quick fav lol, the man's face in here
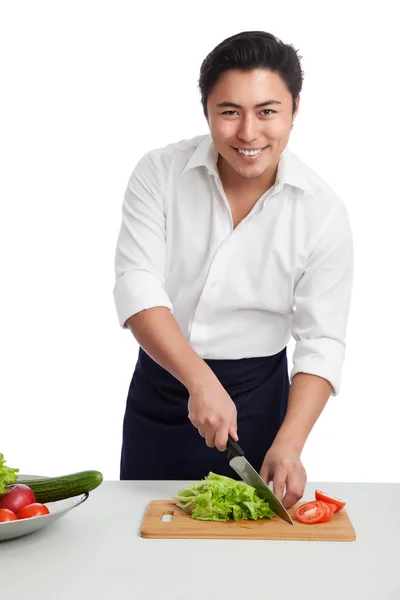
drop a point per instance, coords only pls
(248, 126)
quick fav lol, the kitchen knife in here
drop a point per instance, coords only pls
(250, 476)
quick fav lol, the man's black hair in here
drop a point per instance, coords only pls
(247, 51)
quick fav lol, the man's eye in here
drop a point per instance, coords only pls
(269, 111)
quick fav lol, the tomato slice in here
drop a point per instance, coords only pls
(32, 510)
(326, 498)
(311, 512)
(7, 515)
(329, 511)
(331, 506)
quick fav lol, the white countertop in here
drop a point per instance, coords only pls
(95, 551)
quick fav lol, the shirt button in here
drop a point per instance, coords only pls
(214, 283)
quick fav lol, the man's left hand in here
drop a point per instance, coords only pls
(284, 468)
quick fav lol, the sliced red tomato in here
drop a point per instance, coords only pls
(7, 515)
(311, 512)
(326, 498)
(331, 506)
(32, 510)
(329, 511)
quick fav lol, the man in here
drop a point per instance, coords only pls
(229, 244)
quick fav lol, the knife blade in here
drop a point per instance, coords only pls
(249, 475)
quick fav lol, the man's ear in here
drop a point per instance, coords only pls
(296, 110)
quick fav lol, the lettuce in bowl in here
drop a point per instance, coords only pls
(7, 475)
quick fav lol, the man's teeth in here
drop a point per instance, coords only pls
(249, 152)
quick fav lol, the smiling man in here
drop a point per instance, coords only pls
(229, 245)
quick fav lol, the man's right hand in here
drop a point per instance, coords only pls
(213, 412)
(211, 409)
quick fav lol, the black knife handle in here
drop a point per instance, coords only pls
(233, 448)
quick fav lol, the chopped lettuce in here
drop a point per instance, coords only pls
(220, 498)
(7, 475)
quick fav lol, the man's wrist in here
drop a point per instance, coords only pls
(198, 377)
(308, 395)
(287, 443)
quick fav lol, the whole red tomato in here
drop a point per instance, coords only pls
(7, 515)
(17, 496)
(32, 510)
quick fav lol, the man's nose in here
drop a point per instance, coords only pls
(249, 128)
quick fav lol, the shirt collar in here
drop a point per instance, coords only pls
(291, 170)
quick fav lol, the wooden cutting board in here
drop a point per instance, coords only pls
(181, 525)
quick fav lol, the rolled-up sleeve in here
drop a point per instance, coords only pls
(140, 257)
(322, 302)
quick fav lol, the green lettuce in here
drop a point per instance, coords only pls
(220, 498)
(7, 475)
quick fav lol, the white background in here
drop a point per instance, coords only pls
(87, 88)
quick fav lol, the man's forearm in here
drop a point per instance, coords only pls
(308, 396)
(158, 333)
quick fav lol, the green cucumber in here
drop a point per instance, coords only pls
(51, 489)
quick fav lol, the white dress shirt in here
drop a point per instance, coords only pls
(286, 269)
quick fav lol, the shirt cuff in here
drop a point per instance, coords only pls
(323, 357)
(136, 291)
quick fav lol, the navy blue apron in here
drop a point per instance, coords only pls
(160, 442)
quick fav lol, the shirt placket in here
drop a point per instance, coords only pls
(212, 288)
(210, 295)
